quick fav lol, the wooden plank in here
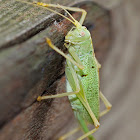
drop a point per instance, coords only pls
(30, 68)
(17, 16)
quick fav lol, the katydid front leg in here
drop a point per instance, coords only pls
(72, 71)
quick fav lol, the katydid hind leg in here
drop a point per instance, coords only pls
(57, 95)
(88, 134)
(92, 115)
(83, 126)
(72, 77)
(63, 137)
(107, 104)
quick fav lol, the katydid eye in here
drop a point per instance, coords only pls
(82, 34)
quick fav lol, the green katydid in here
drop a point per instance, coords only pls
(82, 72)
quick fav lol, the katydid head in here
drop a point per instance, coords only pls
(78, 34)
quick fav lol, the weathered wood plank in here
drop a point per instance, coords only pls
(30, 68)
(17, 16)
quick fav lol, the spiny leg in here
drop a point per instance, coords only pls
(64, 55)
(108, 107)
(87, 134)
(107, 104)
(75, 80)
(56, 96)
(69, 133)
(83, 125)
(72, 78)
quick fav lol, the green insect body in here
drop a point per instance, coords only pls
(80, 40)
(82, 72)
